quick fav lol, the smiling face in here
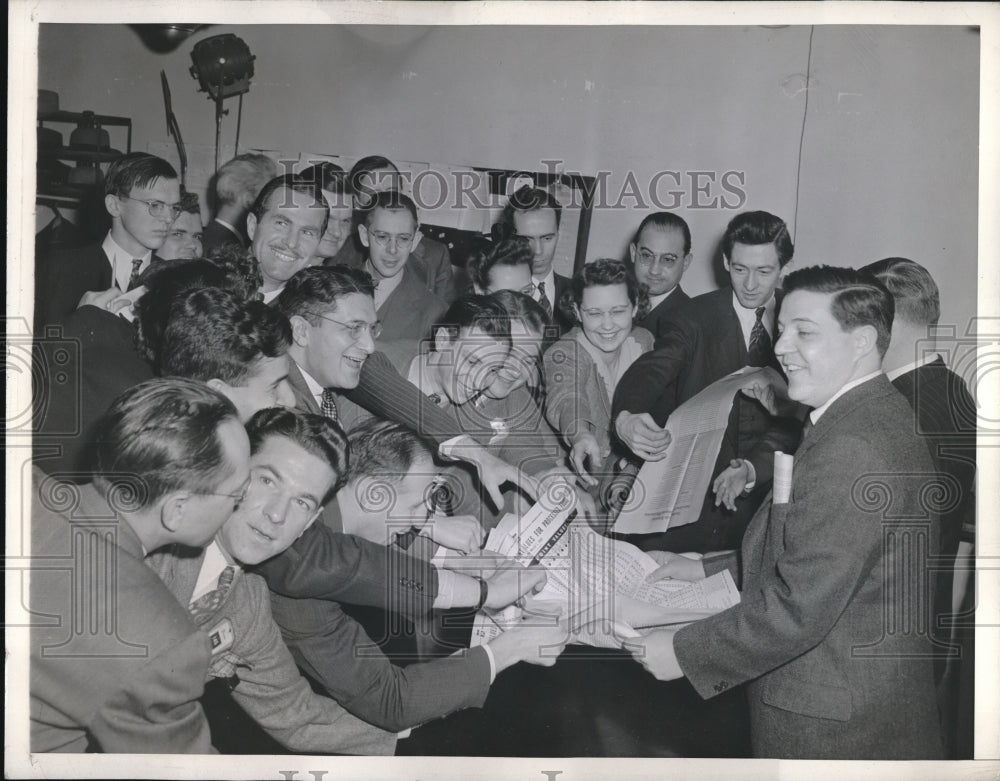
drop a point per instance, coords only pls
(605, 314)
(132, 226)
(287, 487)
(476, 359)
(390, 238)
(659, 259)
(338, 227)
(819, 357)
(541, 229)
(754, 272)
(184, 238)
(329, 353)
(286, 237)
(521, 366)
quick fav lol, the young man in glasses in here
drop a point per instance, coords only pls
(403, 304)
(143, 197)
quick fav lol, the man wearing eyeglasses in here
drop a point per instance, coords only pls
(403, 304)
(142, 194)
(660, 254)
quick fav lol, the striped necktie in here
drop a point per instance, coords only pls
(543, 300)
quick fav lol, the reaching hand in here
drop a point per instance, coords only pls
(731, 483)
(655, 652)
(537, 640)
(642, 436)
(461, 533)
(510, 583)
(673, 565)
(585, 450)
(771, 391)
(494, 473)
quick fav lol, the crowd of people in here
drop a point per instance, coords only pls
(291, 430)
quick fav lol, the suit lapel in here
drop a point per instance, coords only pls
(304, 400)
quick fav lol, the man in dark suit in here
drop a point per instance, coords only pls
(142, 194)
(404, 306)
(534, 214)
(660, 255)
(945, 416)
(830, 633)
(713, 335)
(172, 457)
(237, 185)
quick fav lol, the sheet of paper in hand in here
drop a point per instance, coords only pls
(670, 492)
(596, 583)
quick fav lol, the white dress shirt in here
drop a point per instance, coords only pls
(748, 318)
(121, 262)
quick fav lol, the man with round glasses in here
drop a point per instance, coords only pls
(660, 255)
(407, 309)
(143, 197)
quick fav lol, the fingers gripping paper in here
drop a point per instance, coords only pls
(670, 492)
(598, 585)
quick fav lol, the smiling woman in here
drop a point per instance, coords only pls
(583, 368)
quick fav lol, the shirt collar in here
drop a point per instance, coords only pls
(314, 387)
(929, 358)
(121, 261)
(655, 301)
(817, 413)
(273, 294)
(212, 564)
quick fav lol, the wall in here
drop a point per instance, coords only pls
(889, 163)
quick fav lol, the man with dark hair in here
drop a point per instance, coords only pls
(297, 461)
(660, 254)
(185, 235)
(239, 348)
(534, 214)
(505, 265)
(333, 649)
(237, 184)
(945, 417)
(171, 459)
(285, 225)
(829, 633)
(710, 336)
(142, 195)
(332, 181)
(404, 306)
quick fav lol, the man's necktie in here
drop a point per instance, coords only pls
(133, 280)
(203, 608)
(543, 300)
(760, 350)
(329, 403)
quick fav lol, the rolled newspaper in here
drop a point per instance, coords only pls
(781, 491)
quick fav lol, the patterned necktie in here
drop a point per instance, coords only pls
(329, 403)
(760, 348)
(203, 608)
(543, 300)
(133, 280)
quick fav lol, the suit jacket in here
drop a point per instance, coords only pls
(131, 682)
(246, 643)
(103, 363)
(430, 263)
(831, 630)
(336, 653)
(218, 235)
(63, 278)
(407, 316)
(701, 342)
(658, 314)
(945, 415)
(328, 564)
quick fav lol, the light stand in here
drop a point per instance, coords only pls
(223, 66)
